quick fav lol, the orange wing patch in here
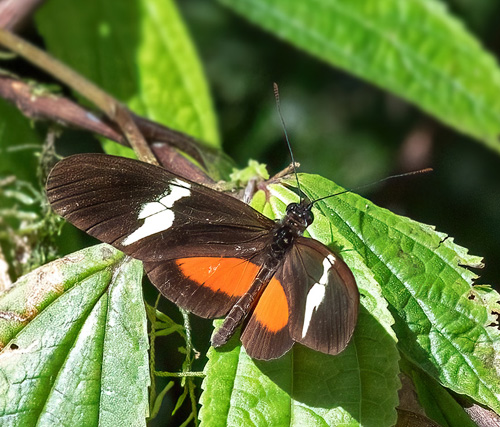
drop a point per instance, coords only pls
(272, 308)
(232, 276)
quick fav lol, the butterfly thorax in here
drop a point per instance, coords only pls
(298, 217)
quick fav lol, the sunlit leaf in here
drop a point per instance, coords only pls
(304, 387)
(75, 343)
(443, 324)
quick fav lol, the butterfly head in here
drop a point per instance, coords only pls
(299, 215)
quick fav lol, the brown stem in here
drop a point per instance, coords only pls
(39, 105)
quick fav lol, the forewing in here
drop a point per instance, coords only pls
(322, 294)
(150, 213)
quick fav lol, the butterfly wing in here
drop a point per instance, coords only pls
(312, 299)
(206, 286)
(174, 225)
(266, 334)
(150, 213)
(324, 294)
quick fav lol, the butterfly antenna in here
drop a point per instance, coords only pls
(277, 98)
(400, 175)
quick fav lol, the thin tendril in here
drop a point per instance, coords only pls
(277, 97)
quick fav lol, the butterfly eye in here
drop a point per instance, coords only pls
(292, 208)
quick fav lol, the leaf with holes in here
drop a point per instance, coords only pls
(444, 325)
(404, 270)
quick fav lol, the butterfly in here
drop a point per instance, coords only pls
(214, 255)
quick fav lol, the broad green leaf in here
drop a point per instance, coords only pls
(443, 324)
(42, 287)
(125, 364)
(415, 49)
(140, 52)
(304, 387)
(77, 353)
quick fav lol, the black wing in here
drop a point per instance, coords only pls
(266, 331)
(150, 213)
(312, 299)
(322, 294)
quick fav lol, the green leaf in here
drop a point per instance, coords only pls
(140, 52)
(79, 353)
(254, 170)
(304, 387)
(39, 289)
(412, 48)
(444, 325)
(159, 399)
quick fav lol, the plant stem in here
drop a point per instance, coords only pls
(117, 112)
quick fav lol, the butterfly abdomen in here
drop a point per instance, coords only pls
(240, 311)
